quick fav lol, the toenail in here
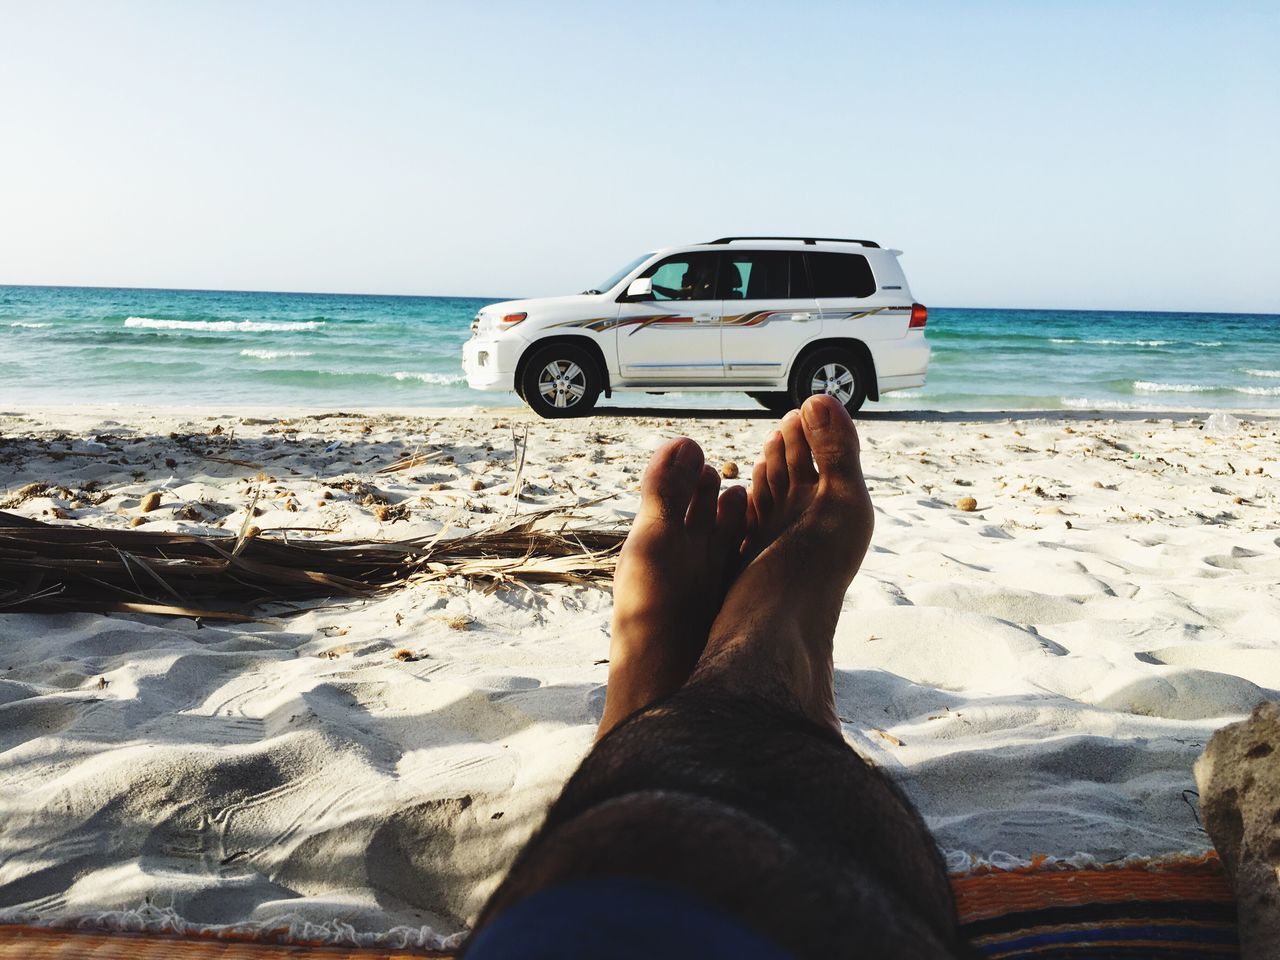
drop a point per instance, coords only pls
(816, 413)
(791, 415)
(685, 454)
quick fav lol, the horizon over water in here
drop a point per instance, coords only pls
(174, 348)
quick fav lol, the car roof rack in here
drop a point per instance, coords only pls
(807, 240)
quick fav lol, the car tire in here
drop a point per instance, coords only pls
(561, 380)
(777, 401)
(831, 370)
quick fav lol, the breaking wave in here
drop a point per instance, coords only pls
(1146, 386)
(439, 379)
(225, 326)
(30, 326)
(274, 354)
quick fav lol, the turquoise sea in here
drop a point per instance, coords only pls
(63, 345)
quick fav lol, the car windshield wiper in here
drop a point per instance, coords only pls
(589, 292)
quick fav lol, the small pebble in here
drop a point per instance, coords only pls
(149, 502)
(967, 504)
(729, 471)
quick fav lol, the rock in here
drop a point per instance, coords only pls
(149, 502)
(729, 471)
(1239, 779)
(251, 532)
(137, 521)
(477, 484)
(967, 504)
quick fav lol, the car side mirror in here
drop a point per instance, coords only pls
(641, 289)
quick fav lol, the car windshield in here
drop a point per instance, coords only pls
(613, 281)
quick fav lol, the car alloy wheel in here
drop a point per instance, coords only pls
(834, 379)
(562, 383)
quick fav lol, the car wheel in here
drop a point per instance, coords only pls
(561, 380)
(833, 371)
(778, 402)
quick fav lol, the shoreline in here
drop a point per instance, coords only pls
(135, 412)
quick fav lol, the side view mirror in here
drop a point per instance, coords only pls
(641, 289)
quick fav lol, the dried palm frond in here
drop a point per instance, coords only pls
(46, 567)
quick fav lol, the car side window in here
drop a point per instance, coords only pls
(801, 288)
(685, 276)
(841, 275)
(764, 275)
(754, 275)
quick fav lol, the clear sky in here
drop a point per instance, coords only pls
(1036, 154)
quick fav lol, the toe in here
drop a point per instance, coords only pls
(670, 480)
(761, 501)
(800, 467)
(701, 517)
(775, 466)
(833, 440)
(731, 521)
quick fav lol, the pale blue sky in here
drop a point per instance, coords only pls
(1037, 154)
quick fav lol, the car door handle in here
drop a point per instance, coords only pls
(705, 318)
(802, 316)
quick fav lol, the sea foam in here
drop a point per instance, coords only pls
(30, 326)
(439, 379)
(1133, 343)
(225, 326)
(1271, 374)
(1147, 386)
(274, 354)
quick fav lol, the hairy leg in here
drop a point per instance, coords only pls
(739, 787)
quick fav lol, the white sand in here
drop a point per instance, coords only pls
(1040, 673)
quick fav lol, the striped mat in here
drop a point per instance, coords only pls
(1169, 909)
(1177, 908)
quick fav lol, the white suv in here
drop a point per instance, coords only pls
(781, 318)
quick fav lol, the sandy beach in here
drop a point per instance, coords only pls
(1039, 672)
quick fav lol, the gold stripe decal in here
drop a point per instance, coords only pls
(756, 318)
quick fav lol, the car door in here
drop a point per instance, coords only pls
(768, 312)
(673, 335)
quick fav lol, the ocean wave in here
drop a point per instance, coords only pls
(1208, 343)
(439, 379)
(1086, 403)
(30, 326)
(1146, 386)
(1270, 374)
(274, 354)
(225, 326)
(1062, 340)
(1133, 343)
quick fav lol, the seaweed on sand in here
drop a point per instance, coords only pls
(67, 567)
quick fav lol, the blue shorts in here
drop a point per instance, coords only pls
(619, 918)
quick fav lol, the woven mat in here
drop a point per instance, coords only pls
(1171, 909)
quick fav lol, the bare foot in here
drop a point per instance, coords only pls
(810, 522)
(671, 579)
